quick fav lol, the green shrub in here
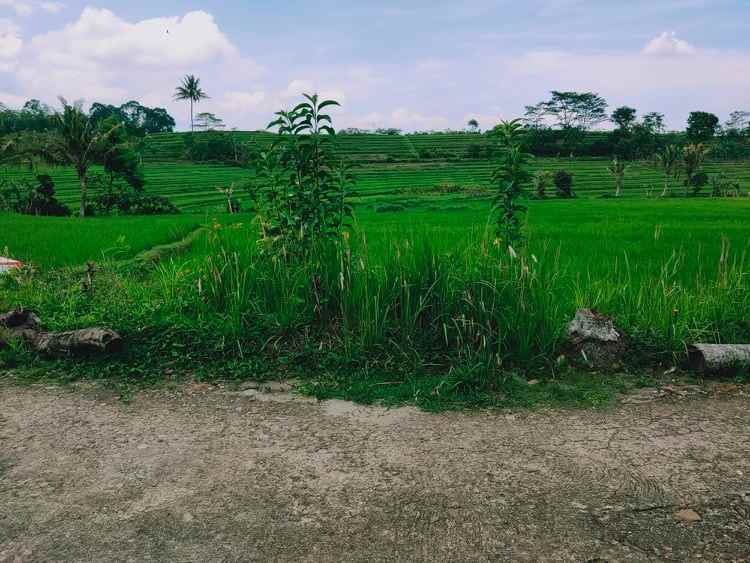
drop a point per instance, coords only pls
(564, 184)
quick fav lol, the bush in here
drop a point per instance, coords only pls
(564, 184)
(121, 199)
(28, 199)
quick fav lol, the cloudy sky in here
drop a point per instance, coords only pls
(413, 64)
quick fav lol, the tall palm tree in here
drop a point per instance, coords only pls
(190, 89)
(669, 160)
(692, 160)
(80, 142)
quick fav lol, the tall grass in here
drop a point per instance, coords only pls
(473, 302)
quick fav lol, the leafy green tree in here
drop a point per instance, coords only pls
(617, 169)
(80, 141)
(190, 90)
(509, 177)
(301, 187)
(654, 121)
(669, 159)
(702, 126)
(582, 110)
(473, 125)
(624, 117)
(118, 155)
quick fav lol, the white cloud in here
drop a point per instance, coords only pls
(52, 7)
(10, 40)
(406, 119)
(668, 45)
(19, 7)
(101, 36)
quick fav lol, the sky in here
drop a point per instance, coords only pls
(410, 64)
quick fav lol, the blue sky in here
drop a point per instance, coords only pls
(415, 65)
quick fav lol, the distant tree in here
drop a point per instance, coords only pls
(669, 160)
(582, 110)
(118, 156)
(624, 117)
(208, 122)
(702, 126)
(541, 180)
(617, 169)
(739, 122)
(138, 120)
(654, 121)
(79, 142)
(564, 184)
(473, 125)
(190, 90)
(693, 157)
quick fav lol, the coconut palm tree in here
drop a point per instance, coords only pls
(669, 160)
(80, 142)
(692, 160)
(618, 169)
(190, 89)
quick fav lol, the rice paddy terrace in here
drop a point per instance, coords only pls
(389, 168)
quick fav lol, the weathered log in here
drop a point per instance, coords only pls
(77, 342)
(596, 339)
(718, 358)
(25, 324)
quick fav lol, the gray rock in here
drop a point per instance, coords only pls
(596, 340)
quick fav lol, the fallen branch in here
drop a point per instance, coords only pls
(26, 325)
(718, 358)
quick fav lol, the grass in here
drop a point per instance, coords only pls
(418, 306)
(52, 241)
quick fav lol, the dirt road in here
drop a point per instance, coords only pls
(207, 475)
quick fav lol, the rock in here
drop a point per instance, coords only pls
(276, 387)
(249, 385)
(687, 515)
(596, 340)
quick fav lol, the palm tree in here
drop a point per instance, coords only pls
(669, 161)
(80, 142)
(618, 169)
(692, 160)
(190, 89)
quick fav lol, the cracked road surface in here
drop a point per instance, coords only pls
(203, 474)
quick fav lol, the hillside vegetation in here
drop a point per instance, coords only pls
(388, 168)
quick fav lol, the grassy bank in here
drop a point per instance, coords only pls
(420, 306)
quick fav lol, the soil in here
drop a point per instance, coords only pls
(202, 473)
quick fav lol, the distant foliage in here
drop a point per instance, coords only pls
(137, 120)
(119, 198)
(702, 127)
(218, 146)
(564, 184)
(542, 180)
(31, 199)
(693, 157)
(722, 185)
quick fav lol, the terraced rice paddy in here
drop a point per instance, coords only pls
(389, 168)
